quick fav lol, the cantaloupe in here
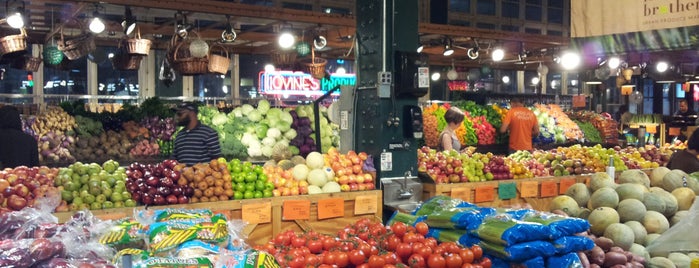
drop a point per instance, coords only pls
(656, 176)
(600, 218)
(580, 193)
(669, 200)
(639, 232)
(584, 213)
(601, 179)
(604, 197)
(654, 202)
(650, 238)
(655, 222)
(621, 234)
(634, 176)
(640, 250)
(286, 164)
(685, 197)
(631, 191)
(566, 204)
(660, 262)
(631, 210)
(674, 179)
(297, 160)
(680, 260)
(678, 217)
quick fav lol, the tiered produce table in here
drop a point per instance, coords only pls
(324, 213)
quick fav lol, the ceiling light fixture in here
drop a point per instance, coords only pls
(472, 53)
(182, 28)
(96, 24)
(15, 18)
(662, 66)
(228, 35)
(448, 49)
(420, 47)
(506, 79)
(436, 76)
(129, 22)
(498, 54)
(570, 60)
(614, 62)
(286, 38)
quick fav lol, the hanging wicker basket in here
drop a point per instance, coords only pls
(314, 66)
(138, 45)
(284, 58)
(123, 60)
(219, 64)
(30, 64)
(189, 65)
(52, 55)
(78, 46)
(14, 43)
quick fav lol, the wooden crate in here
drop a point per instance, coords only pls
(260, 233)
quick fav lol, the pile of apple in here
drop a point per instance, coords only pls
(93, 186)
(208, 181)
(22, 185)
(496, 169)
(349, 171)
(158, 184)
(537, 169)
(443, 167)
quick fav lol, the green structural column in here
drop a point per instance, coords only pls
(384, 27)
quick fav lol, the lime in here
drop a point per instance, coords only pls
(248, 195)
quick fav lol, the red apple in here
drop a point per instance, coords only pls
(369, 186)
(16, 202)
(172, 199)
(353, 187)
(183, 199)
(21, 190)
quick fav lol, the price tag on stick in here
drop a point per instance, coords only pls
(565, 184)
(365, 204)
(463, 193)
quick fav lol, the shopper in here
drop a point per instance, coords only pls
(196, 143)
(522, 124)
(16, 147)
(683, 117)
(448, 139)
(686, 160)
(624, 116)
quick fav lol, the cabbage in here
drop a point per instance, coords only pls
(283, 127)
(294, 150)
(284, 142)
(268, 141)
(247, 139)
(286, 117)
(261, 130)
(290, 134)
(274, 133)
(219, 119)
(267, 151)
(263, 106)
(274, 112)
(254, 116)
(246, 108)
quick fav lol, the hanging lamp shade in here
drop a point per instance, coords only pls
(627, 73)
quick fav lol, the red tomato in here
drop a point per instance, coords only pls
(422, 228)
(357, 257)
(364, 235)
(477, 252)
(363, 265)
(466, 255)
(315, 246)
(436, 261)
(341, 259)
(390, 257)
(485, 262)
(329, 258)
(410, 238)
(399, 228)
(392, 242)
(329, 243)
(297, 262)
(282, 239)
(325, 266)
(431, 242)
(416, 261)
(453, 261)
(404, 250)
(365, 248)
(298, 242)
(376, 261)
(424, 251)
(467, 265)
(313, 260)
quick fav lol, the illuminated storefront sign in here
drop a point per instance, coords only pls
(299, 83)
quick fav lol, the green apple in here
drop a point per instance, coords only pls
(119, 204)
(121, 170)
(83, 207)
(95, 206)
(107, 191)
(110, 166)
(84, 178)
(88, 199)
(95, 190)
(100, 198)
(130, 203)
(73, 207)
(115, 197)
(119, 188)
(78, 201)
(94, 168)
(111, 179)
(84, 193)
(67, 195)
(107, 204)
(125, 195)
(84, 187)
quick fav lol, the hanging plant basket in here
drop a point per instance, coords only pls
(138, 45)
(78, 46)
(14, 43)
(52, 55)
(315, 65)
(189, 65)
(219, 64)
(284, 58)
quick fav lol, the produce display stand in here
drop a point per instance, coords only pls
(324, 213)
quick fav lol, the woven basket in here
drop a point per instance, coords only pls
(315, 65)
(138, 45)
(14, 43)
(30, 64)
(219, 64)
(77, 46)
(284, 58)
(126, 62)
(189, 65)
(52, 55)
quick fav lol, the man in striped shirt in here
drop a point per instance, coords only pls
(196, 143)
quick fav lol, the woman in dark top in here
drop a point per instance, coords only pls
(686, 160)
(16, 147)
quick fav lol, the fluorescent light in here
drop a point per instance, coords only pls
(593, 83)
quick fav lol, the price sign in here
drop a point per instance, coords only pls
(565, 184)
(507, 190)
(331, 208)
(579, 101)
(674, 131)
(548, 188)
(485, 193)
(651, 129)
(462, 193)
(296, 210)
(529, 189)
(257, 212)
(365, 204)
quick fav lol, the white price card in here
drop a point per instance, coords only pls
(423, 77)
(386, 161)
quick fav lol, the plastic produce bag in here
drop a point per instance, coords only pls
(681, 237)
(439, 203)
(506, 231)
(570, 260)
(560, 225)
(461, 237)
(469, 218)
(519, 252)
(569, 244)
(31, 222)
(125, 233)
(404, 218)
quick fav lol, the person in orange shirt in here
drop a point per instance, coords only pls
(522, 124)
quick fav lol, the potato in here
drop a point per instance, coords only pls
(604, 243)
(616, 249)
(583, 260)
(612, 258)
(594, 265)
(597, 255)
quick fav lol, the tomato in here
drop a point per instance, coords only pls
(282, 239)
(364, 235)
(298, 242)
(363, 265)
(376, 261)
(364, 248)
(341, 259)
(399, 228)
(329, 257)
(422, 228)
(410, 238)
(424, 251)
(377, 230)
(466, 255)
(315, 246)
(404, 250)
(477, 252)
(297, 262)
(392, 242)
(416, 261)
(485, 262)
(313, 260)
(453, 261)
(325, 266)
(439, 250)
(329, 243)
(467, 265)
(436, 261)
(390, 257)
(431, 242)
(357, 257)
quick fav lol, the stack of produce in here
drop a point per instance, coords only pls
(93, 186)
(54, 119)
(21, 186)
(106, 145)
(590, 133)
(548, 131)
(55, 147)
(162, 131)
(368, 244)
(329, 136)
(570, 130)
(159, 184)
(430, 129)
(607, 127)
(304, 142)
(246, 181)
(491, 113)
(508, 236)
(628, 215)
(485, 132)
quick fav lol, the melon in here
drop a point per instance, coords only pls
(660, 262)
(600, 218)
(621, 234)
(634, 176)
(631, 191)
(566, 204)
(657, 175)
(669, 200)
(584, 213)
(655, 222)
(297, 160)
(640, 250)
(650, 238)
(580, 193)
(601, 179)
(631, 210)
(674, 179)
(639, 232)
(300, 172)
(680, 260)
(286, 164)
(604, 197)
(685, 197)
(315, 160)
(678, 217)
(654, 202)
(317, 177)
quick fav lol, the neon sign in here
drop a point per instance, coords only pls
(299, 83)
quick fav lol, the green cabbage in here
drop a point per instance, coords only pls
(263, 106)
